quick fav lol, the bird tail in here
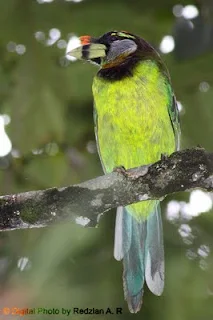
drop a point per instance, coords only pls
(140, 245)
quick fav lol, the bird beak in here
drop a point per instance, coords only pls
(88, 49)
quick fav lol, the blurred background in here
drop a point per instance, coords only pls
(47, 139)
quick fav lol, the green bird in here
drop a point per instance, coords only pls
(136, 121)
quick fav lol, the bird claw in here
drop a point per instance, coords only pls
(120, 169)
(164, 156)
(132, 173)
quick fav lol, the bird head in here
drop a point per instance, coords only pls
(109, 50)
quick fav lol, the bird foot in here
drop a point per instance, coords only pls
(131, 173)
(120, 169)
(164, 156)
(123, 171)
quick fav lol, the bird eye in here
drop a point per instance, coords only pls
(114, 36)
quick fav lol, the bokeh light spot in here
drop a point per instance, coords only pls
(190, 12)
(55, 34)
(62, 44)
(20, 49)
(203, 251)
(177, 10)
(167, 44)
(185, 230)
(5, 143)
(40, 35)
(11, 46)
(204, 86)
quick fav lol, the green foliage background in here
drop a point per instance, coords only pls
(50, 105)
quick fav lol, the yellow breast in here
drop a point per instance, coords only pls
(133, 123)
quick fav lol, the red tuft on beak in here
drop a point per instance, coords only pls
(85, 40)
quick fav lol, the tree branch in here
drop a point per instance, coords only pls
(85, 202)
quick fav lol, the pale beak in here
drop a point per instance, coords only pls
(88, 51)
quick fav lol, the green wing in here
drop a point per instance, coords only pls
(172, 107)
(174, 117)
(95, 119)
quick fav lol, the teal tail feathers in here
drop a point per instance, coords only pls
(140, 245)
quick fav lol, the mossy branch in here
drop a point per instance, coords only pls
(85, 202)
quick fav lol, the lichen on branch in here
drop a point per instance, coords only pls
(84, 203)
